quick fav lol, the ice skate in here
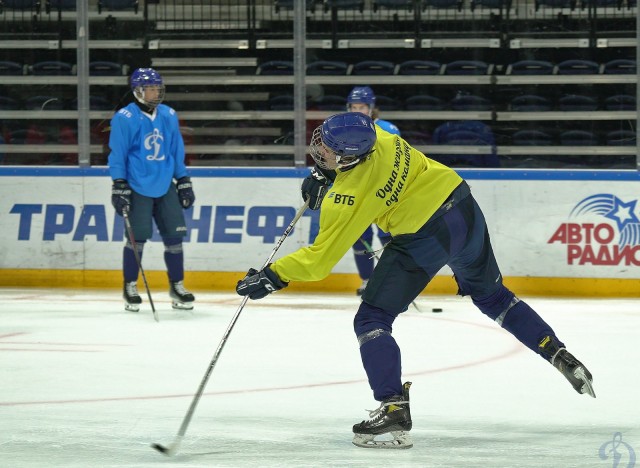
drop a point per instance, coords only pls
(388, 426)
(575, 372)
(132, 299)
(363, 286)
(181, 298)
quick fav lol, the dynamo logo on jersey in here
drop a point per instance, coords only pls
(153, 141)
(606, 232)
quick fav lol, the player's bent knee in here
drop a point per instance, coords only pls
(371, 318)
(497, 305)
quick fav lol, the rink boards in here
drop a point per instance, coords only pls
(553, 232)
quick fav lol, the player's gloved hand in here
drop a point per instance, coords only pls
(314, 188)
(258, 284)
(185, 192)
(121, 196)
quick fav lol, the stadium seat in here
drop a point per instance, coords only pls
(55, 5)
(602, 3)
(373, 67)
(620, 102)
(330, 102)
(469, 102)
(281, 102)
(32, 5)
(415, 137)
(466, 67)
(423, 102)
(117, 5)
(621, 138)
(279, 5)
(97, 103)
(386, 103)
(577, 67)
(419, 67)
(578, 138)
(103, 68)
(466, 133)
(555, 4)
(344, 5)
(44, 103)
(619, 67)
(441, 4)
(530, 103)
(275, 67)
(327, 67)
(530, 67)
(393, 5)
(577, 103)
(7, 103)
(531, 138)
(11, 68)
(52, 68)
(27, 136)
(490, 4)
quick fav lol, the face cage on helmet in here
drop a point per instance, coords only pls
(138, 92)
(325, 157)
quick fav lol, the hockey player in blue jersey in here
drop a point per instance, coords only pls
(363, 99)
(147, 154)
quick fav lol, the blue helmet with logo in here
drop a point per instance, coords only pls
(343, 140)
(142, 78)
(361, 95)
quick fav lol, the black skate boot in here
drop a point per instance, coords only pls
(182, 299)
(132, 299)
(392, 417)
(575, 372)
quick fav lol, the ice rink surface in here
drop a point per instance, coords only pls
(85, 384)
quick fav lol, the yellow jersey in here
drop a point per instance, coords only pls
(396, 187)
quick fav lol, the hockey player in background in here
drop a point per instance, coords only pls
(434, 221)
(147, 154)
(362, 99)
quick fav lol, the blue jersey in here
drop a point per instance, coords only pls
(146, 150)
(388, 126)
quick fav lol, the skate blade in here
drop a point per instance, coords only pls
(131, 307)
(401, 440)
(182, 305)
(587, 386)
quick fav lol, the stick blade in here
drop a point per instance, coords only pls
(168, 451)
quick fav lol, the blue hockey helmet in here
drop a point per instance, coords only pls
(362, 95)
(142, 78)
(343, 140)
(388, 127)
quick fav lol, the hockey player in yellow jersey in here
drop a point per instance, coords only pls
(365, 175)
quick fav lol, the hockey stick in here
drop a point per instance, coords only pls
(132, 240)
(377, 257)
(172, 449)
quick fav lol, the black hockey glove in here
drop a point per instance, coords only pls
(314, 188)
(185, 192)
(258, 284)
(121, 196)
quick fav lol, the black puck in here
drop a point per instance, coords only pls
(436, 309)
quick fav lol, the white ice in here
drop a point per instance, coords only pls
(85, 384)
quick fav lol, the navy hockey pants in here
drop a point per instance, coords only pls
(456, 235)
(166, 211)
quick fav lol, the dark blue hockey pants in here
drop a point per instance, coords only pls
(456, 235)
